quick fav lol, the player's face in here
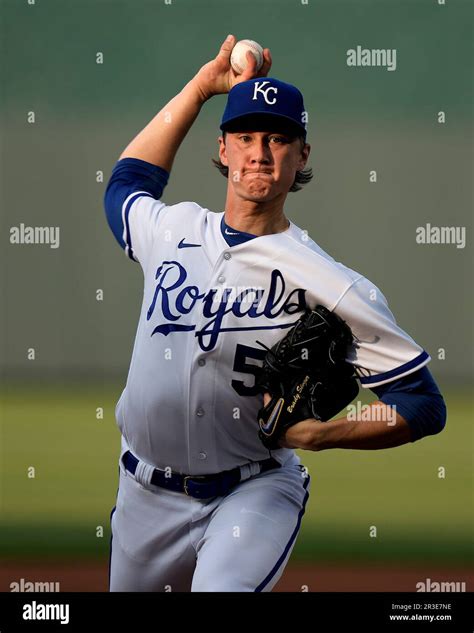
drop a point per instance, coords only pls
(262, 165)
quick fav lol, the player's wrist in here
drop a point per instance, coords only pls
(197, 91)
(303, 435)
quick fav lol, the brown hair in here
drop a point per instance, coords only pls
(301, 177)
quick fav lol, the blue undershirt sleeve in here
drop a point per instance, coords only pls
(131, 175)
(418, 400)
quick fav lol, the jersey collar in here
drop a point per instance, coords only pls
(233, 237)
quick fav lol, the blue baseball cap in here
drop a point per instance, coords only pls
(265, 103)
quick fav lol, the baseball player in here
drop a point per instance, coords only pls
(203, 504)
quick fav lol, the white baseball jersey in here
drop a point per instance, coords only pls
(190, 403)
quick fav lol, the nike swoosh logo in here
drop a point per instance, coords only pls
(268, 427)
(182, 244)
(230, 232)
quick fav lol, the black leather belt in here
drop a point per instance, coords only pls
(198, 486)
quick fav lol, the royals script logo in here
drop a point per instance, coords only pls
(175, 300)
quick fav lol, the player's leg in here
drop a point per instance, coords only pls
(251, 534)
(150, 548)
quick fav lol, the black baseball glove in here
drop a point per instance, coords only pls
(306, 374)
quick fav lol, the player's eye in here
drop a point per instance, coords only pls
(278, 139)
(245, 138)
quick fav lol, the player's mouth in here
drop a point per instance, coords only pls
(258, 172)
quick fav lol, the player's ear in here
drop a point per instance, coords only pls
(222, 151)
(305, 150)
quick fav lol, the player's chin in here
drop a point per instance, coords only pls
(258, 197)
(260, 192)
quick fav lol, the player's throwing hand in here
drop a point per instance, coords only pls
(218, 77)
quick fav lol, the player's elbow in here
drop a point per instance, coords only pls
(434, 417)
(441, 416)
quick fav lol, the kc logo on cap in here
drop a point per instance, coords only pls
(265, 102)
(258, 90)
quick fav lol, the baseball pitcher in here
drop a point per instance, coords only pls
(250, 338)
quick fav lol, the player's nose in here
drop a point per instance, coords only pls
(261, 152)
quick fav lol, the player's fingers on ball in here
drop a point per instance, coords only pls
(251, 68)
(226, 48)
(267, 62)
(251, 62)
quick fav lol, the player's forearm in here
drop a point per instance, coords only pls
(159, 141)
(379, 427)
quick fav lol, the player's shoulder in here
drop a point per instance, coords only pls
(186, 206)
(316, 256)
(181, 212)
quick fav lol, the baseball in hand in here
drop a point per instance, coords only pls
(238, 58)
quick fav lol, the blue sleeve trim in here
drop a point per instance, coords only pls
(418, 400)
(130, 175)
(398, 371)
(128, 237)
